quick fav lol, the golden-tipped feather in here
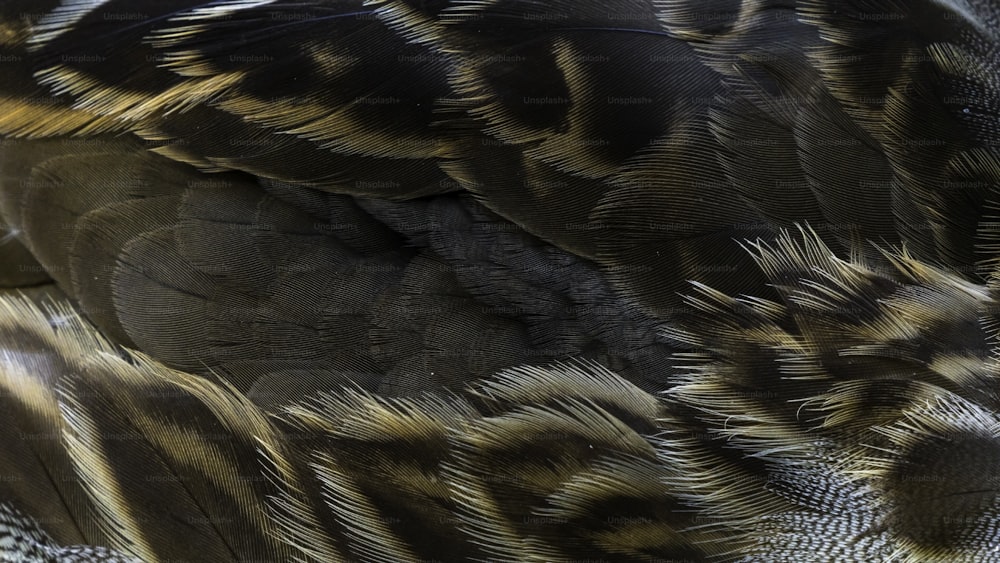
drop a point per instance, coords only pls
(781, 434)
(344, 280)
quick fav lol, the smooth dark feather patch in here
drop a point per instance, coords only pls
(757, 238)
(100, 237)
(151, 266)
(942, 494)
(19, 268)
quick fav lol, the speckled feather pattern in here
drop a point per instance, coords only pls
(499, 280)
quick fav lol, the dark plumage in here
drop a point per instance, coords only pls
(508, 280)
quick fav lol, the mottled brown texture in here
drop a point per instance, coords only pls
(499, 279)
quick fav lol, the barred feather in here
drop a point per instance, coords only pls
(343, 280)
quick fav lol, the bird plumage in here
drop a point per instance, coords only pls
(506, 280)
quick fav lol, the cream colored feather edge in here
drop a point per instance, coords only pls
(543, 464)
